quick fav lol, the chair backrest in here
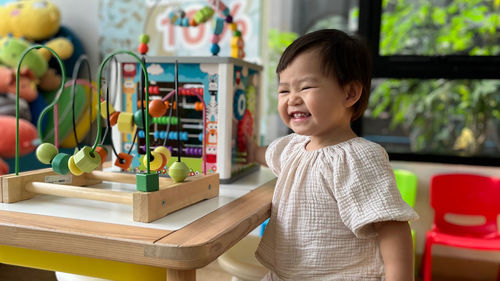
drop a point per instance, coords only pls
(466, 194)
(407, 185)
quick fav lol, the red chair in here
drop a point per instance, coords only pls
(463, 194)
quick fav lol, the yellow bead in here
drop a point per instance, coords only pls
(104, 109)
(233, 26)
(178, 171)
(73, 168)
(156, 161)
(87, 160)
(126, 122)
(46, 152)
(163, 150)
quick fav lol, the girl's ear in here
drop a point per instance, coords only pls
(352, 92)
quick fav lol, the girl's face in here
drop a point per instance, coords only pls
(313, 104)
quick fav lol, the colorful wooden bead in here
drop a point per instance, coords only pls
(104, 109)
(147, 182)
(123, 160)
(229, 19)
(219, 26)
(139, 121)
(113, 119)
(103, 152)
(215, 49)
(143, 48)
(233, 26)
(60, 163)
(126, 122)
(215, 38)
(164, 151)
(87, 160)
(144, 38)
(157, 108)
(46, 152)
(178, 171)
(72, 166)
(156, 160)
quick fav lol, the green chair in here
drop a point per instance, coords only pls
(407, 185)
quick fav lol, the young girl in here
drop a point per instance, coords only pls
(336, 211)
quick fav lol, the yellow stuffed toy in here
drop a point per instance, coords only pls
(32, 19)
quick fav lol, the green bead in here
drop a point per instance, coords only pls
(138, 119)
(46, 152)
(237, 33)
(178, 171)
(60, 163)
(86, 160)
(144, 38)
(147, 182)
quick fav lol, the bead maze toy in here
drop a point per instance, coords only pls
(72, 176)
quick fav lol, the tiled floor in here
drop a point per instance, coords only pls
(213, 272)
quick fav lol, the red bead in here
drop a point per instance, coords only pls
(143, 48)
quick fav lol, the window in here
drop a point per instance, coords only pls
(436, 87)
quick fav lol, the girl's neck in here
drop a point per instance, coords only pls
(332, 138)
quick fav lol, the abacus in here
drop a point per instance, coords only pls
(72, 176)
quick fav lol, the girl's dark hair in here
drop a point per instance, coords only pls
(344, 57)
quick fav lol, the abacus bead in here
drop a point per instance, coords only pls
(192, 22)
(185, 22)
(60, 163)
(157, 108)
(46, 152)
(178, 171)
(232, 26)
(114, 118)
(226, 12)
(126, 122)
(86, 160)
(138, 119)
(237, 33)
(163, 150)
(73, 168)
(229, 19)
(156, 160)
(123, 160)
(103, 152)
(144, 38)
(104, 109)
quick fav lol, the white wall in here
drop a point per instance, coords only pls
(81, 18)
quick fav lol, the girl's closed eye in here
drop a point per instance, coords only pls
(283, 91)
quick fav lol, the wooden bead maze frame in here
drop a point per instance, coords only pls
(166, 195)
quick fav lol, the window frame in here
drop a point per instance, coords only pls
(417, 66)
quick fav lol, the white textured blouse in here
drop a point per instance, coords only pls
(323, 207)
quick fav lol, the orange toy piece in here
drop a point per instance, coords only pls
(123, 160)
(113, 119)
(101, 150)
(157, 108)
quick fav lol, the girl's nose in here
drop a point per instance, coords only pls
(294, 99)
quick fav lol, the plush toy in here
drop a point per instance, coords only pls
(27, 83)
(27, 134)
(32, 19)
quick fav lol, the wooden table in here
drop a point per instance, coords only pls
(61, 232)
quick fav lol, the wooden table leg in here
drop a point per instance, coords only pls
(181, 275)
